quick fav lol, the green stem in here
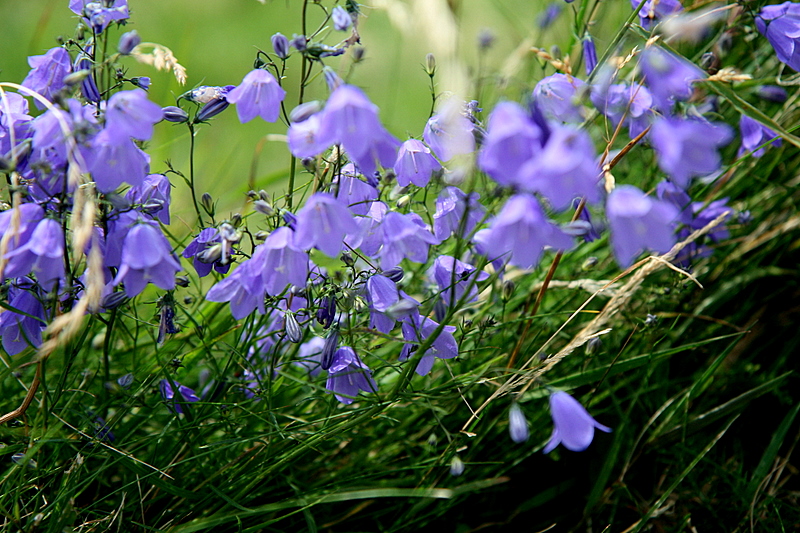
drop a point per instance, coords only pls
(191, 175)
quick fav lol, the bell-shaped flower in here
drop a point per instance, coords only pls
(454, 277)
(356, 194)
(323, 223)
(780, 24)
(186, 394)
(517, 424)
(415, 164)
(259, 94)
(20, 222)
(639, 223)
(565, 169)
(152, 196)
(574, 426)
(456, 213)
(668, 76)
(283, 263)
(688, 148)
(20, 331)
(42, 255)
(47, 74)
(203, 261)
(755, 134)
(418, 329)
(558, 97)
(512, 139)
(146, 258)
(244, 289)
(350, 119)
(114, 160)
(655, 10)
(132, 114)
(520, 232)
(303, 137)
(347, 376)
(633, 102)
(449, 132)
(404, 236)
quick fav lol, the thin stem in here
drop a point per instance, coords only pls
(191, 175)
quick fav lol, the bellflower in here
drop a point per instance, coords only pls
(656, 10)
(100, 14)
(303, 137)
(456, 213)
(341, 18)
(519, 233)
(418, 329)
(350, 119)
(672, 194)
(415, 164)
(565, 169)
(517, 424)
(633, 102)
(780, 24)
(27, 219)
(131, 114)
(688, 148)
(449, 133)
(754, 134)
(382, 295)
(20, 331)
(47, 74)
(282, 262)
(404, 236)
(512, 139)
(453, 277)
(347, 376)
(557, 96)
(323, 223)
(42, 255)
(356, 194)
(259, 94)
(146, 258)
(88, 85)
(114, 160)
(187, 395)
(153, 195)
(668, 76)
(638, 222)
(280, 44)
(207, 238)
(574, 426)
(244, 289)
(589, 53)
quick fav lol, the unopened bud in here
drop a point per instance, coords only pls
(261, 235)
(333, 80)
(76, 77)
(292, 328)
(329, 348)
(593, 345)
(263, 207)
(173, 113)
(128, 41)
(456, 466)
(304, 111)
(395, 274)
(208, 203)
(517, 424)
(358, 54)
(181, 281)
(430, 64)
(211, 109)
(236, 220)
(113, 300)
(403, 201)
(508, 289)
(280, 44)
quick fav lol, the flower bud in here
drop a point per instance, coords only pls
(593, 345)
(358, 54)
(261, 235)
(128, 41)
(281, 45)
(292, 328)
(208, 203)
(76, 77)
(263, 207)
(143, 82)
(125, 381)
(508, 289)
(772, 93)
(485, 39)
(341, 18)
(439, 310)
(430, 64)
(331, 78)
(174, 114)
(211, 109)
(304, 111)
(456, 466)
(329, 348)
(395, 274)
(517, 424)
(299, 42)
(113, 300)
(589, 54)
(347, 259)
(181, 281)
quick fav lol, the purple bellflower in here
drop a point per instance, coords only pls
(415, 164)
(347, 376)
(20, 222)
(754, 134)
(688, 148)
(589, 53)
(453, 277)
(404, 236)
(304, 139)
(356, 194)
(780, 24)
(633, 102)
(20, 331)
(418, 329)
(323, 223)
(382, 295)
(244, 289)
(574, 426)
(512, 139)
(449, 133)
(638, 222)
(341, 18)
(549, 15)
(456, 213)
(565, 169)
(557, 97)
(202, 261)
(100, 14)
(42, 255)
(153, 195)
(146, 257)
(668, 76)
(88, 85)
(671, 193)
(520, 232)
(350, 119)
(280, 44)
(187, 395)
(283, 263)
(656, 10)
(114, 160)
(259, 94)
(47, 74)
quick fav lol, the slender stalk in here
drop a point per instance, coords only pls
(191, 175)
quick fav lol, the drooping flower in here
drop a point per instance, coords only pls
(688, 148)
(280, 44)
(42, 255)
(187, 395)
(348, 375)
(47, 74)
(517, 424)
(20, 331)
(668, 76)
(449, 133)
(323, 223)
(638, 223)
(259, 94)
(415, 164)
(303, 137)
(557, 96)
(456, 213)
(153, 195)
(341, 18)
(656, 10)
(356, 194)
(20, 222)
(780, 24)
(574, 426)
(418, 329)
(283, 263)
(114, 160)
(633, 102)
(146, 258)
(512, 139)
(202, 260)
(88, 85)
(244, 289)
(589, 53)
(520, 232)
(100, 14)
(404, 236)
(754, 134)
(453, 277)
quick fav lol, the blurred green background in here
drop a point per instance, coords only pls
(217, 40)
